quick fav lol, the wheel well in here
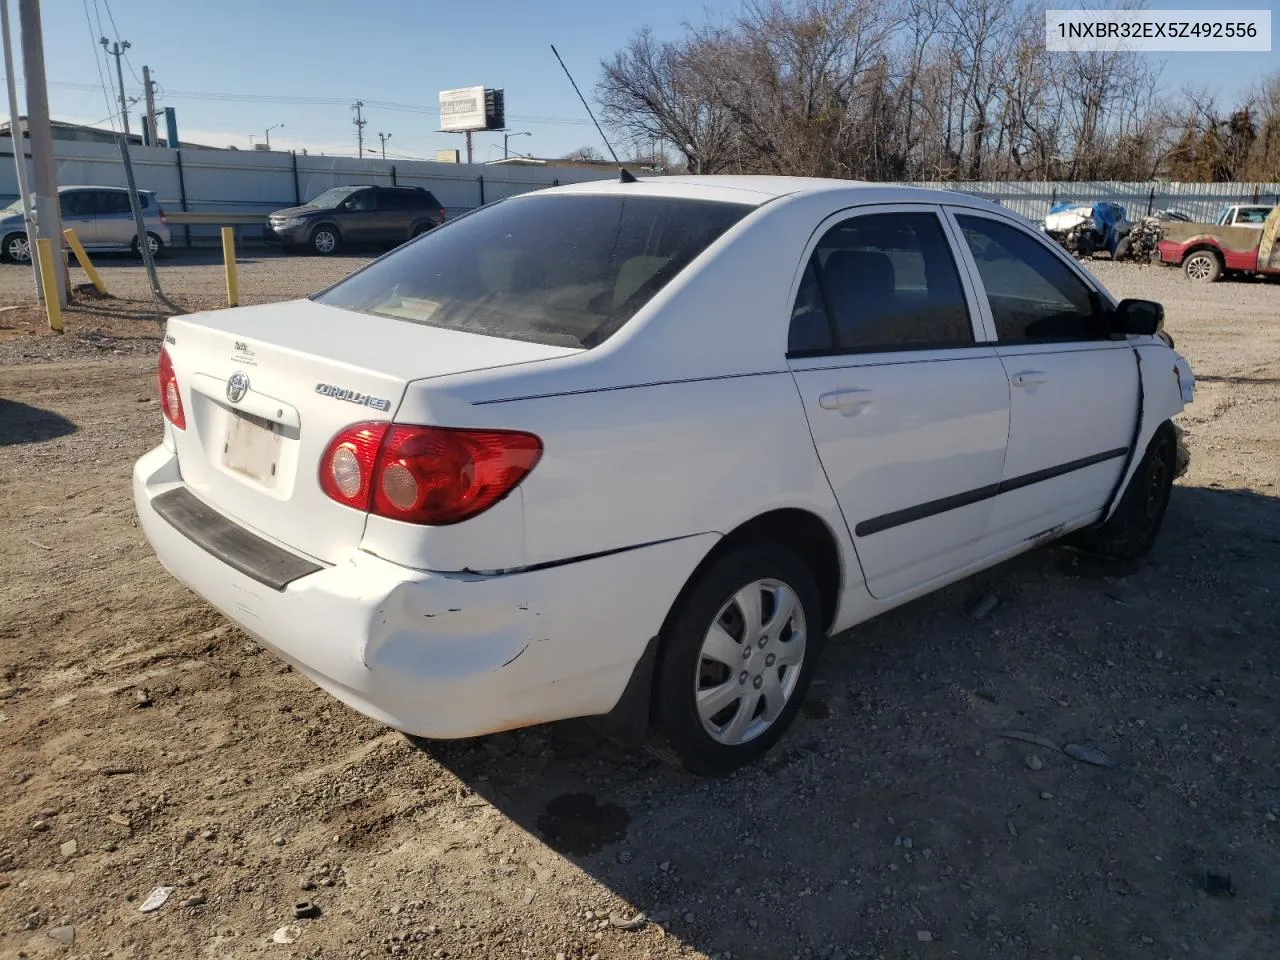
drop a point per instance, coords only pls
(803, 532)
(326, 223)
(1201, 248)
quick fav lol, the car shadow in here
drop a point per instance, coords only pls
(894, 818)
(20, 423)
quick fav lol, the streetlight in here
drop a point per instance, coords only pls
(507, 136)
(268, 133)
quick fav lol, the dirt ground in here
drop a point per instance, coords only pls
(146, 743)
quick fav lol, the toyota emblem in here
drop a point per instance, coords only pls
(237, 387)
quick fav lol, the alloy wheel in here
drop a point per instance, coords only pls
(750, 661)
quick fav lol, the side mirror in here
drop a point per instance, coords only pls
(1141, 317)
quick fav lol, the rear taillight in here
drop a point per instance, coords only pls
(434, 476)
(170, 398)
(443, 215)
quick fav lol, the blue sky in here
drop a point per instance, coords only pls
(405, 52)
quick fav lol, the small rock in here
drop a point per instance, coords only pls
(626, 856)
(209, 835)
(64, 935)
(1046, 795)
(306, 885)
(278, 841)
(141, 697)
(197, 901)
(286, 934)
(985, 605)
(69, 848)
(924, 936)
(1034, 762)
(1271, 817)
(529, 894)
(155, 899)
(1088, 755)
(40, 826)
(1147, 940)
(688, 918)
(906, 842)
(664, 866)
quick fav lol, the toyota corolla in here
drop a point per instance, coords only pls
(633, 449)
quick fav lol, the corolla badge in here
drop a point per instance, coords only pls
(237, 387)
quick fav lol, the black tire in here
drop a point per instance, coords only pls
(157, 246)
(1122, 249)
(677, 734)
(1202, 266)
(1132, 528)
(19, 240)
(318, 242)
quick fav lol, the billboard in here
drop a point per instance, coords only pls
(462, 109)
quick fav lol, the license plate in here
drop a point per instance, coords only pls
(252, 448)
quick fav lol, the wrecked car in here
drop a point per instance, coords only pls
(1084, 228)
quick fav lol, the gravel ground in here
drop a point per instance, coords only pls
(147, 743)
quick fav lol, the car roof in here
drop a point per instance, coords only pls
(97, 186)
(756, 190)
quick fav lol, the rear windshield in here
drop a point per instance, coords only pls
(558, 270)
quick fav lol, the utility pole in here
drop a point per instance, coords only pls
(359, 121)
(384, 137)
(150, 87)
(508, 136)
(48, 215)
(267, 132)
(19, 150)
(117, 50)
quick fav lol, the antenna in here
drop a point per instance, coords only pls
(584, 103)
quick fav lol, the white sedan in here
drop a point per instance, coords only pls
(633, 449)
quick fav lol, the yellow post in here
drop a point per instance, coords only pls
(83, 259)
(49, 280)
(229, 258)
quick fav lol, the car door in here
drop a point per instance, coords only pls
(1074, 391)
(359, 217)
(79, 210)
(907, 403)
(115, 219)
(395, 211)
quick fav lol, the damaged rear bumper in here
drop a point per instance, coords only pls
(442, 655)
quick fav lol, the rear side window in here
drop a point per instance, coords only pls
(559, 270)
(112, 202)
(884, 281)
(1033, 294)
(398, 200)
(364, 200)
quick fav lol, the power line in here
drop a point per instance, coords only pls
(97, 63)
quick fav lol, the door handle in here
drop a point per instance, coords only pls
(849, 401)
(1028, 378)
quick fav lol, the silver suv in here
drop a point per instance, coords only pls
(100, 216)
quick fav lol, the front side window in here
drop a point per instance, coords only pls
(363, 201)
(884, 281)
(561, 270)
(78, 204)
(330, 198)
(1252, 216)
(1033, 294)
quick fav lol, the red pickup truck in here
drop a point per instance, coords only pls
(1206, 251)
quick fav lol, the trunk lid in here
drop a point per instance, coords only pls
(265, 389)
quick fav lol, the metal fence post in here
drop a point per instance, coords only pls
(1053, 198)
(1151, 199)
(182, 198)
(297, 190)
(394, 182)
(480, 180)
